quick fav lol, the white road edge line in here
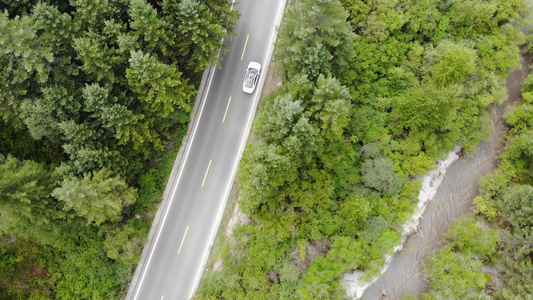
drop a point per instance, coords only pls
(257, 96)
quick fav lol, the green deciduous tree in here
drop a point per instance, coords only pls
(520, 154)
(379, 174)
(455, 275)
(98, 196)
(83, 271)
(313, 194)
(498, 52)
(517, 206)
(451, 63)
(277, 117)
(25, 263)
(456, 271)
(468, 236)
(264, 170)
(347, 252)
(355, 209)
(314, 39)
(124, 244)
(472, 18)
(427, 107)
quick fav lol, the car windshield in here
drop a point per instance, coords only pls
(250, 78)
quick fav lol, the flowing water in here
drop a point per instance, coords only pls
(446, 195)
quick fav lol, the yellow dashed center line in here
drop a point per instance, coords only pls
(244, 50)
(209, 166)
(226, 110)
(183, 240)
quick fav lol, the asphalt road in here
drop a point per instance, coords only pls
(178, 255)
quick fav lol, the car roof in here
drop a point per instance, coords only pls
(249, 82)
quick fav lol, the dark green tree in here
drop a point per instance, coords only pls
(22, 59)
(198, 31)
(86, 152)
(517, 206)
(150, 28)
(96, 57)
(95, 15)
(27, 210)
(314, 39)
(161, 87)
(43, 115)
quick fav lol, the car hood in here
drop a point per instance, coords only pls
(254, 65)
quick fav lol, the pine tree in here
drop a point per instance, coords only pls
(98, 196)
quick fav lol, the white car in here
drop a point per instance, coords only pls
(251, 77)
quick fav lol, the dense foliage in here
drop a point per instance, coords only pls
(506, 201)
(456, 272)
(373, 93)
(468, 266)
(92, 94)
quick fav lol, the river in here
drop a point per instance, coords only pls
(451, 188)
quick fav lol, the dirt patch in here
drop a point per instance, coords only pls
(11, 239)
(238, 217)
(218, 265)
(272, 82)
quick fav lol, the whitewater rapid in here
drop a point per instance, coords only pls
(354, 283)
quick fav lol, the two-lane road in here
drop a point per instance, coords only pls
(182, 241)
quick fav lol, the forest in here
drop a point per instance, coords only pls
(95, 99)
(96, 96)
(372, 94)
